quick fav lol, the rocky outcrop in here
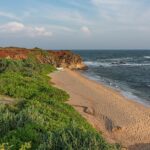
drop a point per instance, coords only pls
(65, 59)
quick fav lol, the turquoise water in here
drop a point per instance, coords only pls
(126, 70)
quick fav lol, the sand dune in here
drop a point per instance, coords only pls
(119, 119)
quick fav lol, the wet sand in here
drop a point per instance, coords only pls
(119, 119)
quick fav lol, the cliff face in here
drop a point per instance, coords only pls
(65, 59)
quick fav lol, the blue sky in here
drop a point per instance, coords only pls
(75, 24)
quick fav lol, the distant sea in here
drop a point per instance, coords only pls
(125, 70)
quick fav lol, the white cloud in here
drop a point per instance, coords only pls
(117, 13)
(98, 2)
(85, 30)
(8, 15)
(41, 31)
(60, 28)
(67, 16)
(20, 28)
(12, 27)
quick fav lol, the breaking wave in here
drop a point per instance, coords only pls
(111, 64)
(147, 57)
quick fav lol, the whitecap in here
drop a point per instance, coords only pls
(106, 64)
(97, 64)
(147, 57)
(120, 59)
(134, 65)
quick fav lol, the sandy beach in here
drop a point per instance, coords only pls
(119, 119)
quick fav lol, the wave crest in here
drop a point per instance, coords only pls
(147, 57)
(111, 64)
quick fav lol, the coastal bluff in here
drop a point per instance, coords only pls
(61, 58)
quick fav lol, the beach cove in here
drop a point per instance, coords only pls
(119, 119)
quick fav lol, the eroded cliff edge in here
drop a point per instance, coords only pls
(62, 58)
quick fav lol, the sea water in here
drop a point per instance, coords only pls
(125, 70)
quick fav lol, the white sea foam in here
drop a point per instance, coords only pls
(121, 87)
(106, 64)
(120, 59)
(132, 64)
(97, 64)
(135, 98)
(147, 57)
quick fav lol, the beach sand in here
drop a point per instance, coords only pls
(119, 119)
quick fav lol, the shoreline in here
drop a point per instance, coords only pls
(132, 96)
(120, 120)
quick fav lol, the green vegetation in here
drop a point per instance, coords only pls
(38, 118)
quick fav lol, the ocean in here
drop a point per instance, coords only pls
(125, 70)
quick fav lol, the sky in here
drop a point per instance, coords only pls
(75, 24)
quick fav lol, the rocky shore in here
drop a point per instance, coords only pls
(62, 58)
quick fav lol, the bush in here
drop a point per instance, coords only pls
(39, 118)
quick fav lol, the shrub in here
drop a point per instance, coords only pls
(39, 118)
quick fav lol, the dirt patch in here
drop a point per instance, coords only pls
(6, 100)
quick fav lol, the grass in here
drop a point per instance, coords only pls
(39, 118)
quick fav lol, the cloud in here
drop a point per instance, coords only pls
(9, 15)
(41, 31)
(106, 21)
(68, 17)
(20, 28)
(110, 2)
(12, 27)
(60, 28)
(85, 30)
(115, 13)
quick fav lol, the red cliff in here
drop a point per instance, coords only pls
(65, 59)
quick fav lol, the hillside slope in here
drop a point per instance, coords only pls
(65, 59)
(39, 118)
